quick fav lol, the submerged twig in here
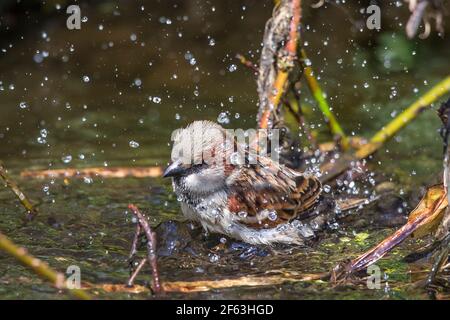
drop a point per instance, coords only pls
(268, 279)
(117, 172)
(151, 249)
(31, 210)
(39, 267)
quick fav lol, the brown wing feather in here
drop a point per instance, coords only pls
(265, 187)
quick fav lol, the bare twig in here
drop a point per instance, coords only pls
(39, 267)
(247, 63)
(298, 115)
(135, 241)
(134, 274)
(151, 248)
(276, 277)
(279, 85)
(118, 172)
(424, 11)
(416, 18)
(399, 122)
(31, 210)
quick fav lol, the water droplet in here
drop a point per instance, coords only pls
(223, 118)
(137, 82)
(155, 99)
(236, 159)
(88, 180)
(43, 133)
(134, 144)
(213, 258)
(86, 79)
(232, 67)
(273, 215)
(41, 140)
(38, 58)
(23, 105)
(66, 159)
(242, 214)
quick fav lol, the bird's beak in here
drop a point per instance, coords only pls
(174, 169)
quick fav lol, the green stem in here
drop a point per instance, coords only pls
(404, 118)
(31, 210)
(318, 94)
(39, 267)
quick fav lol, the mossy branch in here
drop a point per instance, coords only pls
(31, 210)
(404, 118)
(39, 267)
(281, 80)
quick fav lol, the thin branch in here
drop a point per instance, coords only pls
(404, 118)
(298, 115)
(134, 244)
(281, 79)
(117, 172)
(31, 210)
(416, 18)
(318, 94)
(247, 63)
(133, 276)
(151, 247)
(39, 267)
(274, 278)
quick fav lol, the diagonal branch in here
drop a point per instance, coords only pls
(39, 267)
(31, 210)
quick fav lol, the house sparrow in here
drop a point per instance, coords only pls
(231, 191)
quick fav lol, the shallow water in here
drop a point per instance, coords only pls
(148, 77)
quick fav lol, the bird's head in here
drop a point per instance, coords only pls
(201, 157)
